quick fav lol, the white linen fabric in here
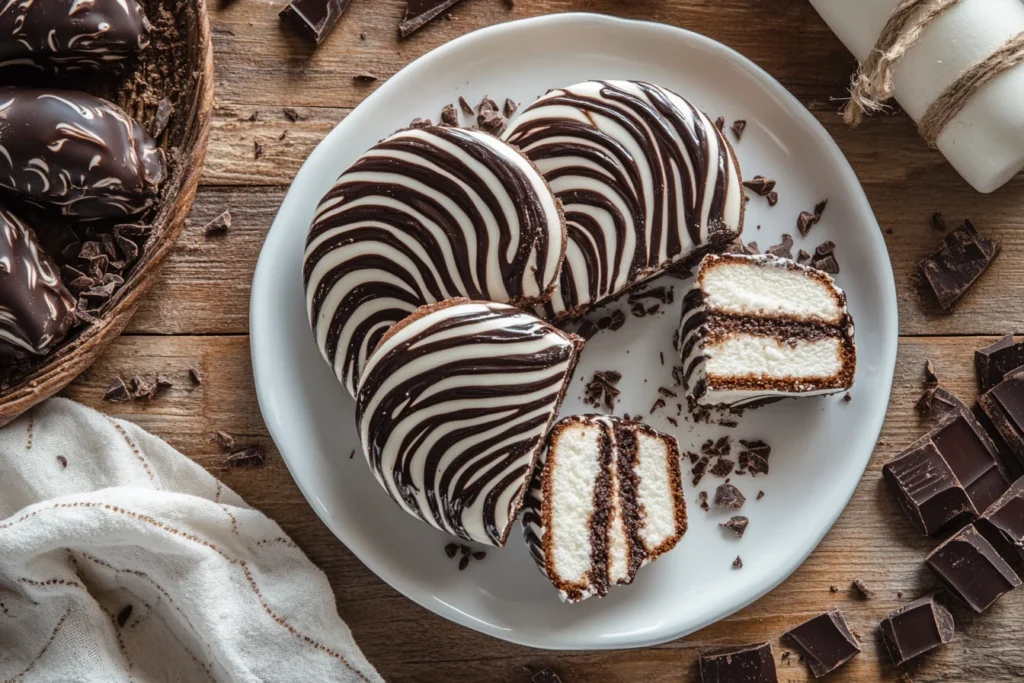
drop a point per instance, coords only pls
(123, 560)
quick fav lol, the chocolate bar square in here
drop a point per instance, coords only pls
(1002, 525)
(741, 664)
(957, 263)
(914, 629)
(825, 641)
(972, 570)
(994, 362)
(1004, 406)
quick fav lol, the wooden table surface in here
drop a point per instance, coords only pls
(197, 315)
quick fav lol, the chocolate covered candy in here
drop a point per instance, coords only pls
(36, 310)
(70, 35)
(76, 153)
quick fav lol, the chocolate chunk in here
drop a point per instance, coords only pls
(161, 118)
(972, 570)
(737, 525)
(618, 319)
(720, 123)
(738, 247)
(738, 127)
(737, 563)
(825, 642)
(449, 115)
(510, 108)
(914, 629)
(250, 456)
(420, 123)
(1002, 524)
(194, 375)
(124, 615)
(467, 109)
(994, 362)
(702, 499)
(804, 222)
(937, 222)
(450, 550)
(101, 35)
(117, 391)
(487, 104)
(803, 257)
(699, 469)
(1004, 406)
(819, 209)
(957, 263)
(773, 198)
(722, 468)
(784, 249)
(760, 185)
(314, 19)
(546, 675)
(729, 497)
(257, 149)
(51, 136)
(479, 555)
(944, 478)
(419, 12)
(760, 495)
(863, 589)
(491, 122)
(291, 114)
(937, 401)
(463, 563)
(365, 77)
(741, 664)
(219, 225)
(225, 440)
(36, 310)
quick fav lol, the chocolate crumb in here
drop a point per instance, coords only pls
(63, 461)
(218, 226)
(450, 115)
(124, 615)
(660, 403)
(450, 550)
(760, 185)
(930, 376)
(819, 209)
(760, 495)
(863, 589)
(510, 108)
(833, 589)
(464, 105)
(362, 36)
(253, 116)
(722, 468)
(847, 398)
(784, 249)
(117, 391)
(786, 654)
(737, 525)
(257, 150)
(479, 555)
(773, 198)
(291, 114)
(194, 375)
(464, 562)
(703, 498)
(937, 222)
(738, 127)
(618, 319)
(419, 122)
(661, 354)
(737, 563)
(161, 117)
(720, 123)
(250, 456)
(803, 257)
(491, 122)
(673, 421)
(352, 454)
(729, 497)
(225, 440)
(364, 77)
(804, 222)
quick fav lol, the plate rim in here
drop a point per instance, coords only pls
(890, 321)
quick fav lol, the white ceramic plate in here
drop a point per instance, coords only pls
(820, 446)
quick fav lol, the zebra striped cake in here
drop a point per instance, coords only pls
(646, 180)
(426, 215)
(453, 407)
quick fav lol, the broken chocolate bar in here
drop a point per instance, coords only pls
(957, 263)
(419, 12)
(947, 476)
(1004, 406)
(994, 362)
(825, 641)
(914, 629)
(1002, 524)
(314, 19)
(972, 570)
(746, 663)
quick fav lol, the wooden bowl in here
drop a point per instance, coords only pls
(178, 65)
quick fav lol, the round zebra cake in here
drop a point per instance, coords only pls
(646, 181)
(454, 407)
(426, 215)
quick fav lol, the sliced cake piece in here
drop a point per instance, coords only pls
(606, 499)
(453, 407)
(760, 328)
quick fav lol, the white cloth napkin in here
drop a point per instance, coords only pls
(97, 516)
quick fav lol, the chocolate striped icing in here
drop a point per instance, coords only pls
(426, 215)
(36, 310)
(645, 178)
(69, 35)
(453, 407)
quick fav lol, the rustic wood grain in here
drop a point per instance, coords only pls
(197, 315)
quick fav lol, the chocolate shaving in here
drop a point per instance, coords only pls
(738, 127)
(760, 185)
(737, 525)
(729, 497)
(784, 249)
(226, 441)
(249, 456)
(219, 225)
(364, 77)
(117, 391)
(863, 589)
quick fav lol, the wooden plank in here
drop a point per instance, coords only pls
(872, 540)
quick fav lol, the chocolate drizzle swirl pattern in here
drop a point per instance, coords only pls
(645, 178)
(36, 310)
(70, 35)
(453, 408)
(426, 215)
(76, 152)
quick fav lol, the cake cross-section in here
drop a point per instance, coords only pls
(454, 407)
(606, 499)
(757, 328)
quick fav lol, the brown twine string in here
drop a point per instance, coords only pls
(952, 101)
(871, 85)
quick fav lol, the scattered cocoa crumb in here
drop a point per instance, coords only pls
(737, 525)
(661, 354)
(638, 311)
(760, 185)
(720, 123)
(847, 398)
(250, 456)
(291, 114)
(352, 454)
(833, 589)
(225, 440)
(255, 115)
(737, 563)
(899, 594)
(760, 495)
(703, 498)
(364, 77)
(449, 115)
(660, 403)
(773, 198)
(63, 461)
(194, 375)
(738, 127)
(450, 550)
(257, 149)
(937, 222)
(863, 589)
(124, 615)
(218, 226)
(464, 105)
(673, 421)
(362, 36)
(784, 249)
(510, 108)
(668, 393)
(729, 497)
(117, 391)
